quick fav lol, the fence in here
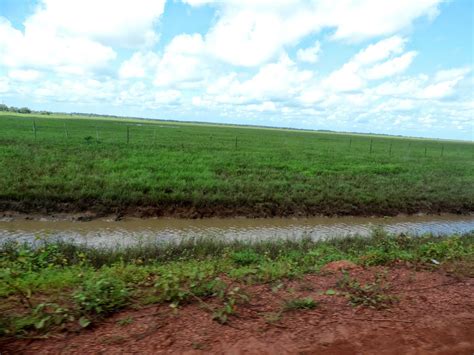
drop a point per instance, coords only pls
(185, 137)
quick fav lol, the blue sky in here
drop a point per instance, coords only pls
(397, 67)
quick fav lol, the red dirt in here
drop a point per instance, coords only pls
(434, 315)
(340, 265)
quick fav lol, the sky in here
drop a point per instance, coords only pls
(376, 66)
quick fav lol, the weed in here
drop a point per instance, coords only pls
(245, 257)
(125, 321)
(371, 295)
(102, 295)
(272, 317)
(299, 303)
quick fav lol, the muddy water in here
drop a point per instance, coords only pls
(107, 232)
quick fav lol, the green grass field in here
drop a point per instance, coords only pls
(168, 168)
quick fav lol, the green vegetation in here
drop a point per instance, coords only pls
(69, 163)
(373, 294)
(62, 286)
(300, 303)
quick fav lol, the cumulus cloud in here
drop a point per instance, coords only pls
(371, 63)
(59, 53)
(110, 22)
(310, 54)
(140, 65)
(78, 36)
(182, 61)
(249, 33)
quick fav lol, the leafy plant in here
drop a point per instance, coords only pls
(102, 295)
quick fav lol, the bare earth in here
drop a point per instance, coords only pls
(434, 315)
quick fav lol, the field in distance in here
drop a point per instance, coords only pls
(153, 168)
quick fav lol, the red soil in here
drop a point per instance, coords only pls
(434, 315)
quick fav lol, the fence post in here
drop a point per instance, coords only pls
(350, 143)
(442, 149)
(34, 128)
(425, 151)
(128, 134)
(154, 135)
(390, 150)
(97, 134)
(235, 142)
(370, 150)
(66, 133)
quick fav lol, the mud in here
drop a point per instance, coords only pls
(434, 315)
(96, 209)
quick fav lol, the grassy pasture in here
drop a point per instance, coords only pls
(108, 165)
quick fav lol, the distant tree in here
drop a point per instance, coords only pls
(3, 107)
(24, 110)
(13, 109)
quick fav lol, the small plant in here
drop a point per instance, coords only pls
(245, 258)
(371, 295)
(272, 317)
(125, 321)
(300, 303)
(102, 296)
(183, 286)
(231, 299)
(40, 318)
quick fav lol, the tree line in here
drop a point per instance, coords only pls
(5, 108)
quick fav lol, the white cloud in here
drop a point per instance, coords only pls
(277, 81)
(441, 85)
(444, 83)
(252, 32)
(182, 62)
(167, 97)
(31, 50)
(366, 65)
(310, 54)
(111, 22)
(24, 75)
(139, 65)
(391, 67)
(75, 36)
(4, 85)
(380, 50)
(362, 19)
